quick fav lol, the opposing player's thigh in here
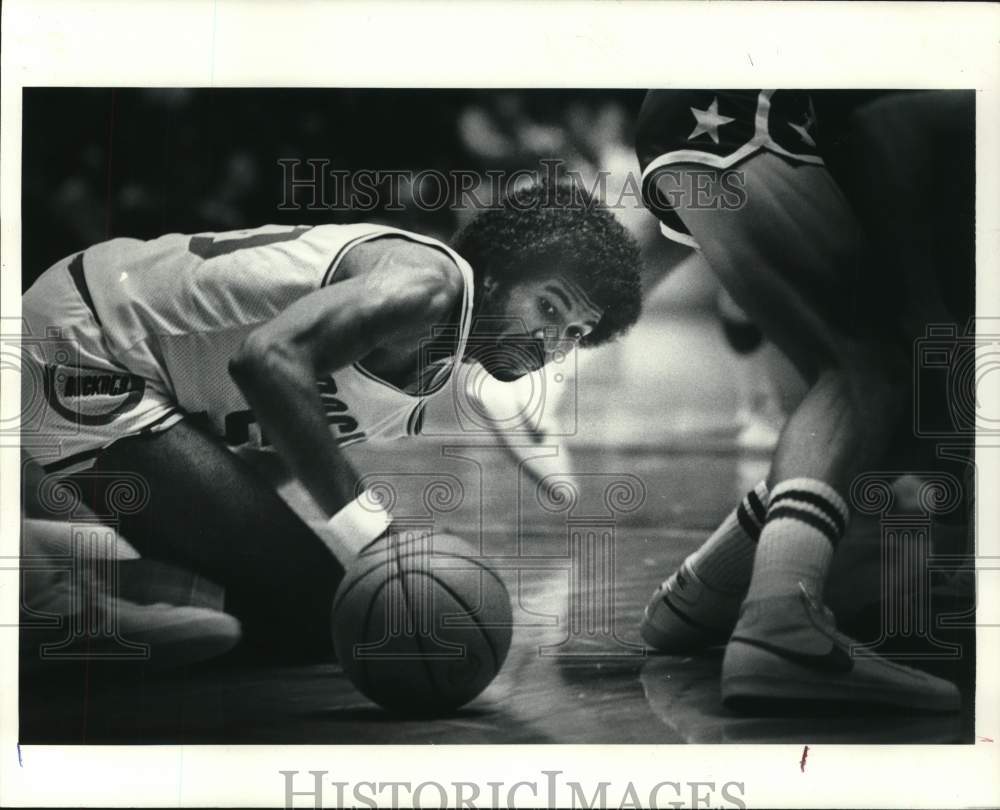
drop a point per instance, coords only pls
(790, 252)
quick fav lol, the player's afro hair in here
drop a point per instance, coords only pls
(548, 227)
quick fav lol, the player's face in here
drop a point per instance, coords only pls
(522, 326)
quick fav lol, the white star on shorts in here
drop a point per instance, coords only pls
(709, 121)
(806, 125)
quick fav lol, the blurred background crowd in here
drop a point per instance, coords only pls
(100, 163)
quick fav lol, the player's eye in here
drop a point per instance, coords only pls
(547, 307)
(574, 333)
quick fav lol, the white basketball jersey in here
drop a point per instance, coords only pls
(177, 308)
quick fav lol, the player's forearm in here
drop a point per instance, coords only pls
(281, 389)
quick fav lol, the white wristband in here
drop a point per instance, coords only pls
(360, 522)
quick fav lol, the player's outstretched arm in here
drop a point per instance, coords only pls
(390, 304)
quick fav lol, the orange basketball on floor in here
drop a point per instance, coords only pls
(420, 624)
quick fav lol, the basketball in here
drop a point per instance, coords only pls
(420, 624)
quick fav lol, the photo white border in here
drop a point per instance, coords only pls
(200, 43)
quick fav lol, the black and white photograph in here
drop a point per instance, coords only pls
(499, 414)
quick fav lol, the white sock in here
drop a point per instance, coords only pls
(805, 520)
(725, 561)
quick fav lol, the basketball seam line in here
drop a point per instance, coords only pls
(364, 630)
(462, 604)
(340, 598)
(406, 603)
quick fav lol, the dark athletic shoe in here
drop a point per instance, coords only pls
(788, 649)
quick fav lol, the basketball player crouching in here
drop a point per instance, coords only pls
(306, 339)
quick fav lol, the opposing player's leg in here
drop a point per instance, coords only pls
(209, 511)
(759, 414)
(793, 257)
(785, 644)
(698, 604)
(788, 287)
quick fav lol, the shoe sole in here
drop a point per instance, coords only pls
(786, 681)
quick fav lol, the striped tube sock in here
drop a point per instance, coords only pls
(805, 520)
(725, 560)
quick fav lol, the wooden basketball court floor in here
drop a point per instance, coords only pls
(653, 444)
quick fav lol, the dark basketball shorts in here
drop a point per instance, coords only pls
(718, 130)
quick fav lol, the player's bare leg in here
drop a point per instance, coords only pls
(785, 644)
(211, 512)
(699, 603)
(795, 280)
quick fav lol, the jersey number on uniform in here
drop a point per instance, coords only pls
(208, 247)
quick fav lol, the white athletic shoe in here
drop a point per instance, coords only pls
(684, 614)
(788, 649)
(108, 628)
